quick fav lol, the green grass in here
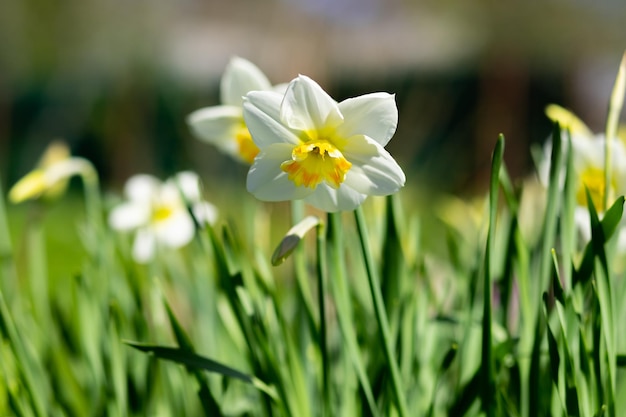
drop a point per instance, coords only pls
(517, 329)
(406, 307)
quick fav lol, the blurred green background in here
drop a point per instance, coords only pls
(115, 79)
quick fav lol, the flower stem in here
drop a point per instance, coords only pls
(339, 286)
(93, 203)
(381, 315)
(321, 298)
(297, 214)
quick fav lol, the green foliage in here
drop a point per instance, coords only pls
(371, 322)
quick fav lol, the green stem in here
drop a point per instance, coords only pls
(381, 315)
(93, 200)
(8, 272)
(322, 279)
(26, 363)
(297, 214)
(342, 303)
(488, 385)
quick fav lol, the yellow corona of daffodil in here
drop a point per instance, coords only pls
(50, 178)
(223, 125)
(158, 212)
(330, 154)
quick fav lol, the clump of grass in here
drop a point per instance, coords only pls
(356, 318)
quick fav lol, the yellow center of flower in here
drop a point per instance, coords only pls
(245, 145)
(593, 180)
(315, 161)
(161, 212)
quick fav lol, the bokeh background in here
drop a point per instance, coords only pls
(116, 78)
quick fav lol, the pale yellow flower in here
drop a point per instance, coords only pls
(588, 157)
(50, 178)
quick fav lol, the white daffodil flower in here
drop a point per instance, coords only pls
(330, 154)
(589, 163)
(159, 212)
(223, 125)
(50, 178)
(588, 157)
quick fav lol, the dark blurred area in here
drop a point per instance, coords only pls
(116, 79)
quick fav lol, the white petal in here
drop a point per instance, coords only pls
(142, 188)
(177, 230)
(217, 125)
(543, 165)
(129, 215)
(267, 182)
(280, 88)
(583, 223)
(588, 152)
(144, 246)
(621, 240)
(307, 106)
(374, 115)
(373, 171)
(169, 195)
(188, 183)
(261, 113)
(204, 212)
(240, 77)
(331, 200)
(619, 166)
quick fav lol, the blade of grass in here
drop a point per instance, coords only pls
(487, 361)
(568, 228)
(381, 315)
(334, 243)
(605, 301)
(184, 357)
(552, 208)
(609, 224)
(33, 384)
(7, 266)
(322, 279)
(210, 405)
(304, 290)
(531, 290)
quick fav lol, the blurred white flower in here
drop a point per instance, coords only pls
(311, 147)
(159, 212)
(588, 157)
(51, 176)
(223, 125)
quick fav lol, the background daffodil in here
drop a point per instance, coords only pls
(52, 174)
(311, 147)
(159, 214)
(223, 125)
(588, 158)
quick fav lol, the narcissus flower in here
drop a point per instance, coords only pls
(330, 154)
(223, 125)
(588, 157)
(159, 212)
(50, 178)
